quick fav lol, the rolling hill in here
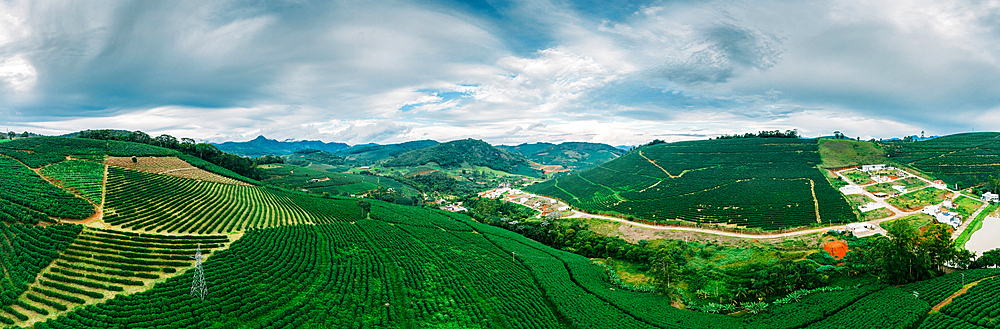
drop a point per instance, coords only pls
(467, 151)
(571, 155)
(262, 146)
(765, 183)
(967, 158)
(369, 154)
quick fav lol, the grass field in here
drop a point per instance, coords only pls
(295, 177)
(752, 183)
(916, 221)
(858, 177)
(910, 184)
(918, 199)
(839, 153)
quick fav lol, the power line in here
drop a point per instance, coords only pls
(198, 287)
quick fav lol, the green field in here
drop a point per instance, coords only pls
(918, 199)
(858, 177)
(24, 193)
(755, 183)
(146, 201)
(85, 178)
(910, 184)
(967, 158)
(295, 177)
(840, 153)
(917, 221)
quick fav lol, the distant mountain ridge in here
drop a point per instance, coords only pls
(472, 151)
(261, 146)
(574, 155)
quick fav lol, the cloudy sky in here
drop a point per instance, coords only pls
(617, 72)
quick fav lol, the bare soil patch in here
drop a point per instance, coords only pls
(170, 166)
(836, 248)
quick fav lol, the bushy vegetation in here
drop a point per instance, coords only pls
(83, 177)
(26, 250)
(756, 183)
(23, 188)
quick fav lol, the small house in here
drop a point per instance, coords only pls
(991, 197)
(931, 210)
(900, 188)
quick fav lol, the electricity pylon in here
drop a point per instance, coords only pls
(198, 287)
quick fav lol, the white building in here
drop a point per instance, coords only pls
(900, 188)
(949, 218)
(931, 210)
(870, 206)
(991, 197)
(872, 167)
(948, 204)
(861, 229)
(850, 189)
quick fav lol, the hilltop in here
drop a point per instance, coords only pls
(570, 155)
(467, 151)
(262, 146)
(368, 154)
(766, 183)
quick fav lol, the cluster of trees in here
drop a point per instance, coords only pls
(12, 135)
(908, 255)
(794, 133)
(267, 159)
(207, 152)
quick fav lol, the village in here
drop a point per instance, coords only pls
(899, 191)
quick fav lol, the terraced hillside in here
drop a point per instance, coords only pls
(755, 183)
(145, 201)
(968, 158)
(89, 267)
(27, 197)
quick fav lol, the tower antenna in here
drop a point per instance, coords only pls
(198, 287)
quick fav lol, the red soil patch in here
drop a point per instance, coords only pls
(836, 248)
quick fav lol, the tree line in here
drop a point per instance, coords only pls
(794, 133)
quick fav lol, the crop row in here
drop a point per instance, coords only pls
(84, 177)
(149, 201)
(24, 187)
(40, 151)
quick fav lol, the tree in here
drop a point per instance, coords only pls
(366, 208)
(11, 134)
(989, 258)
(664, 270)
(25, 134)
(906, 255)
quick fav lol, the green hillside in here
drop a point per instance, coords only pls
(839, 153)
(967, 158)
(469, 151)
(754, 183)
(572, 155)
(370, 154)
(295, 177)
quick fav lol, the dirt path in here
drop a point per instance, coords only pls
(946, 301)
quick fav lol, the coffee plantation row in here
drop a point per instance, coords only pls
(83, 177)
(968, 158)
(22, 187)
(145, 201)
(754, 183)
(65, 267)
(405, 267)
